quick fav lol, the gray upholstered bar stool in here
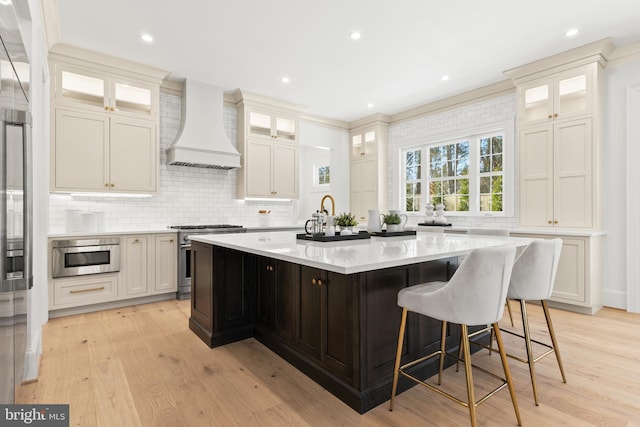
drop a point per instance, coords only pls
(475, 295)
(533, 276)
(499, 232)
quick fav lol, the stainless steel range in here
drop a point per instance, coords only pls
(184, 250)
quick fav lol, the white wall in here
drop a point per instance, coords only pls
(337, 141)
(617, 79)
(39, 105)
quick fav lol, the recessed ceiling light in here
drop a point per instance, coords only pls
(355, 35)
(572, 32)
(146, 38)
(284, 79)
(370, 105)
(444, 78)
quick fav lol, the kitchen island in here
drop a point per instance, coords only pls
(329, 308)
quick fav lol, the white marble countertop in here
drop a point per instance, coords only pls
(355, 256)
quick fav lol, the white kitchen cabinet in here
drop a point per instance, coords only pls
(272, 169)
(90, 88)
(556, 175)
(94, 152)
(272, 125)
(560, 96)
(83, 291)
(368, 168)
(166, 264)
(104, 123)
(267, 141)
(578, 284)
(137, 266)
(148, 272)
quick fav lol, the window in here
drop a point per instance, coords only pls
(466, 174)
(322, 176)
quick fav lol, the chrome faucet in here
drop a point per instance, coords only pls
(333, 204)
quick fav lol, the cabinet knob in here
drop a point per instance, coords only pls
(112, 185)
(106, 108)
(549, 222)
(555, 222)
(550, 116)
(113, 109)
(136, 241)
(106, 184)
(171, 241)
(555, 115)
(319, 282)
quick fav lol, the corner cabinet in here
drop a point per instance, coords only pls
(104, 123)
(368, 169)
(560, 143)
(268, 143)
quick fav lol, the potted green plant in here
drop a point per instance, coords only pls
(393, 222)
(346, 221)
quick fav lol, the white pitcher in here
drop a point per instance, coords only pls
(374, 225)
(401, 215)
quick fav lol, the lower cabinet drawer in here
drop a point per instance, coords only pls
(84, 290)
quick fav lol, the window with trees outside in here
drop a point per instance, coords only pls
(466, 174)
(322, 175)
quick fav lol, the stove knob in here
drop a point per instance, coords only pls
(186, 238)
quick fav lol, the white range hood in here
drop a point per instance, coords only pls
(202, 141)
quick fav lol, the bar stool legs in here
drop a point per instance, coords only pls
(396, 369)
(471, 402)
(530, 360)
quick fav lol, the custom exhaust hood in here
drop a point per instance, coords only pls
(202, 141)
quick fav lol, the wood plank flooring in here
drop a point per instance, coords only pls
(142, 366)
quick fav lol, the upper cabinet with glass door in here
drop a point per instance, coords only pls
(558, 97)
(88, 89)
(363, 144)
(273, 126)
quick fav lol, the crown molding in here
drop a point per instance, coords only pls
(79, 56)
(243, 97)
(326, 122)
(455, 101)
(598, 51)
(373, 119)
(625, 54)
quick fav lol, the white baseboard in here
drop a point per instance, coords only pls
(614, 299)
(32, 361)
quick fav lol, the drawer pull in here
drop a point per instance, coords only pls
(77, 291)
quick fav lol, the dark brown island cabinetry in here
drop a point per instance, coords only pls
(339, 329)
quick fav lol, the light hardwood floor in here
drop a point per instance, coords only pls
(142, 366)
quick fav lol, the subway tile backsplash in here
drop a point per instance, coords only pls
(186, 195)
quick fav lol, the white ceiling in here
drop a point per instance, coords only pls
(406, 45)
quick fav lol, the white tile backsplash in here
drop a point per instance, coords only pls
(186, 195)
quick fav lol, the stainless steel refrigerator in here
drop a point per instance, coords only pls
(15, 204)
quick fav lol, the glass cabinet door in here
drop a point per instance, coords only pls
(538, 103)
(572, 96)
(285, 128)
(259, 124)
(132, 99)
(80, 88)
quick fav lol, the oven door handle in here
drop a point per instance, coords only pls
(185, 246)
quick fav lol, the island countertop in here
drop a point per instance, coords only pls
(356, 256)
